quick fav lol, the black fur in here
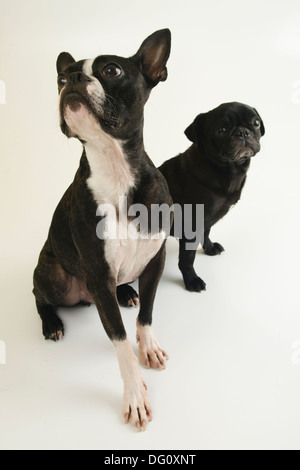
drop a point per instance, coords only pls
(72, 267)
(213, 172)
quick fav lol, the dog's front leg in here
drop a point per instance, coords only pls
(151, 354)
(136, 406)
(192, 281)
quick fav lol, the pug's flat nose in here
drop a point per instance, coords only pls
(242, 133)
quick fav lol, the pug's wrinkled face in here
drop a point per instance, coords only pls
(228, 134)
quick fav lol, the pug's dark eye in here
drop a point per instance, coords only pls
(61, 80)
(112, 70)
(221, 131)
(256, 123)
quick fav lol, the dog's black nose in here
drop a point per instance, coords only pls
(243, 133)
(78, 77)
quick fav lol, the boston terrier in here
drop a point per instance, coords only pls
(213, 172)
(101, 103)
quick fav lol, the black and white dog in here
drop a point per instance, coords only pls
(102, 103)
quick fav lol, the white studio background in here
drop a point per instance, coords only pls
(233, 378)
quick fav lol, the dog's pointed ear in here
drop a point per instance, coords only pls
(262, 126)
(63, 61)
(194, 131)
(153, 55)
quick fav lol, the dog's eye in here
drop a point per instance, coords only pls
(61, 80)
(221, 131)
(256, 123)
(112, 70)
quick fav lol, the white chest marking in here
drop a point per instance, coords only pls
(127, 249)
(128, 258)
(111, 177)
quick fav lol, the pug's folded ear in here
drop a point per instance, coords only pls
(195, 130)
(262, 126)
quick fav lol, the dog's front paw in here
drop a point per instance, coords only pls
(127, 296)
(136, 406)
(196, 284)
(151, 354)
(213, 249)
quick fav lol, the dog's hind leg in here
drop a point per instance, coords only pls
(127, 296)
(51, 285)
(210, 248)
(53, 327)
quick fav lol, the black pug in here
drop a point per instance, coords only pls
(213, 172)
